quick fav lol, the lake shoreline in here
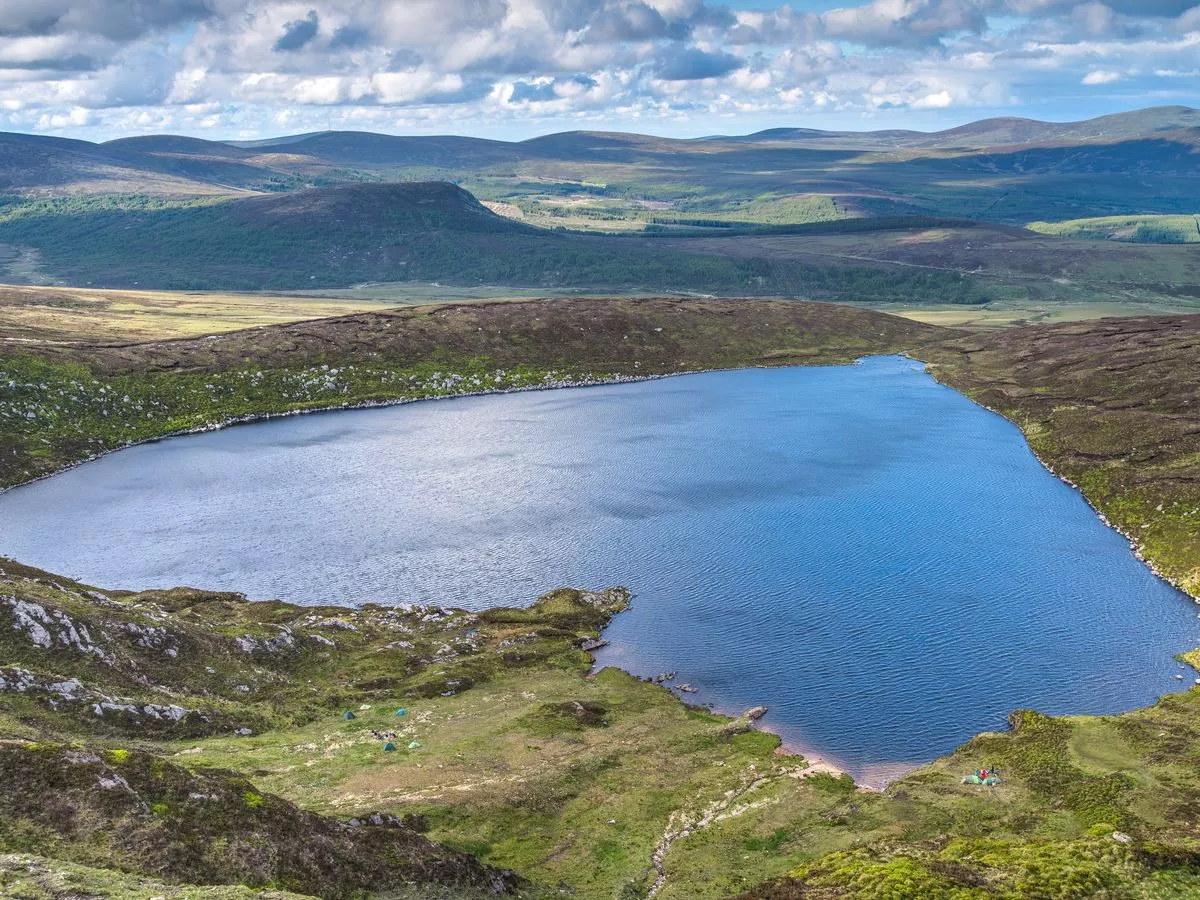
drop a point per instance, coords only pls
(1134, 546)
(252, 418)
(930, 369)
(594, 382)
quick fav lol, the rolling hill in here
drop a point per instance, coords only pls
(430, 232)
(1005, 170)
(335, 209)
(1000, 132)
(436, 234)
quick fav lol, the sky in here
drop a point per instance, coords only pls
(512, 69)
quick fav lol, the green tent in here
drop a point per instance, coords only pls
(990, 780)
(402, 712)
(414, 746)
(347, 715)
(389, 746)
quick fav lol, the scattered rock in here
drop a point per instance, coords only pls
(48, 627)
(340, 624)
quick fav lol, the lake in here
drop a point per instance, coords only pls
(880, 561)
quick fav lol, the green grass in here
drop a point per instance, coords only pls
(567, 778)
(26, 877)
(342, 236)
(69, 404)
(1134, 229)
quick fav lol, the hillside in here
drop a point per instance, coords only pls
(599, 783)
(60, 408)
(421, 233)
(997, 132)
(428, 231)
(1134, 229)
(1002, 170)
(36, 165)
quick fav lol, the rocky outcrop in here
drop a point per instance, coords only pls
(213, 827)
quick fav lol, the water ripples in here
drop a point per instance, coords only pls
(881, 562)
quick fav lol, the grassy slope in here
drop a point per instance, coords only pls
(30, 877)
(1132, 228)
(117, 674)
(70, 403)
(1110, 405)
(529, 762)
(344, 235)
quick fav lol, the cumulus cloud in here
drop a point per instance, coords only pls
(906, 22)
(693, 64)
(113, 19)
(298, 33)
(98, 66)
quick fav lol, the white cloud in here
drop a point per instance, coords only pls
(241, 64)
(76, 117)
(940, 100)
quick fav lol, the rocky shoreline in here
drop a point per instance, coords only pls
(1134, 546)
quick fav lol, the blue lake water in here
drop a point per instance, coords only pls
(878, 560)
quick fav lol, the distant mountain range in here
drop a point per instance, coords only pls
(1149, 142)
(340, 208)
(999, 132)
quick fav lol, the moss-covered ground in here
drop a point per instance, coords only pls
(28, 877)
(598, 783)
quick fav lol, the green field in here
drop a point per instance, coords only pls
(1134, 229)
